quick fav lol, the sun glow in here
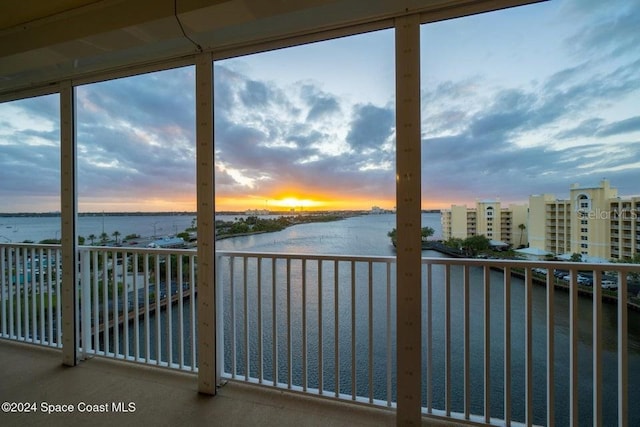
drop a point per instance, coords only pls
(295, 203)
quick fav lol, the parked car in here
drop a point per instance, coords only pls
(609, 284)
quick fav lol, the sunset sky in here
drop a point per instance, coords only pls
(517, 102)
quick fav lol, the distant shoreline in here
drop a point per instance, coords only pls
(188, 213)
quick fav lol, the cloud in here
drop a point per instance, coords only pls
(370, 127)
(480, 138)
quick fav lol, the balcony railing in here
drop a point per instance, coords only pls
(326, 325)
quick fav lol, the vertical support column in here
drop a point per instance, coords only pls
(207, 369)
(68, 233)
(408, 220)
(85, 303)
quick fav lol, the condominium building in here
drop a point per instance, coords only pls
(487, 218)
(593, 221)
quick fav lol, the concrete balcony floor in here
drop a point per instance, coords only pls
(162, 397)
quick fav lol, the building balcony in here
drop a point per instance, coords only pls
(291, 327)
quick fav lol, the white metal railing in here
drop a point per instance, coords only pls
(308, 323)
(494, 349)
(30, 293)
(138, 305)
(318, 324)
(134, 304)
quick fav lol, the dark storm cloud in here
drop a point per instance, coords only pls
(370, 127)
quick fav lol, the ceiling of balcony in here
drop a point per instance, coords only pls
(43, 42)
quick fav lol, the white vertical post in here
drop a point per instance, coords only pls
(487, 344)
(69, 210)
(408, 220)
(207, 327)
(467, 344)
(507, 346)
(597, 349)
(550, 349)
(573, 349)
(623, 356)
(85, 303)
(528, 345)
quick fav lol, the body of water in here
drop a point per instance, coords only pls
(22, 228)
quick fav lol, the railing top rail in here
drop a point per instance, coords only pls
(29, 245)
(139, 250)
(499, 263)
(561, 265)
(325, 257)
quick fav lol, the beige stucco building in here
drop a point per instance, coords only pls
(593, 221)
(487, 218)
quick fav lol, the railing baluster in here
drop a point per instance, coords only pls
(32, 292)
(466, 333)
(429, 338)
(19, 279)
(573, 350)
(158, 294)
(192, 317)
(180, 291)
(245, 316)
(96, 300)
(289, 350)
(487, 343)
(232, 306)
(353, 330)
(597, 350)
(12, 287)
(41, 316)
(50, 296)
(125, 304)
(507, 346)
(370, 332)
(116, 311)
(105, 302)
(260, 337)
(528, 347)
(274, 322)
(58, 299)
(389, 346)
(136, 308)
(85, 301)
(25, 294)
(147, 321)
(550, 348)
(168, 309)
(336, 326)
(304, 325)
(447, 339)
(320, 357)
(623, 367)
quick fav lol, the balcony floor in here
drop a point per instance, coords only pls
(35, 374)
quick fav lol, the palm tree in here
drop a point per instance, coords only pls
(522, 227)
(104, 237)
(116, 234)
(92, 237)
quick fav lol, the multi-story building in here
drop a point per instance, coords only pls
(487, 218)
(593, 221)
